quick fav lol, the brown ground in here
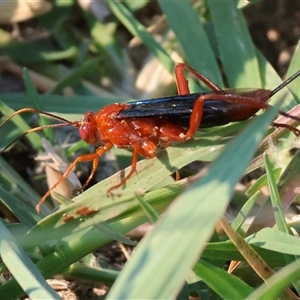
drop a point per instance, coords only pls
(275, 30)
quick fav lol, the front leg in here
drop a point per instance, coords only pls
(94, 157)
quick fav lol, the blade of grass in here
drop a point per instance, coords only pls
(60, 105)
(270, 79)
(96, 274)
(293, 68)
(22, 268)
(271, 239)
(204, 61)
(137, 29)
(148, 209)
(34, 138)
(107, 209)
(244, 212)
(37, 52)
(227, 251)
(34, 98)
(13, 177)
(275, 198)
(75, 75)
(226, 285)
(262, 181)
(235, 45)
(288, 191)
(152, 171)
(107, 46)
(23, 212)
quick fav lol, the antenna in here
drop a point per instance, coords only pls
(285, 83)
(29, 109)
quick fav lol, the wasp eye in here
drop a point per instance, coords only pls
(84, 132)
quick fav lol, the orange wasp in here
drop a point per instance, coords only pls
(146, 125)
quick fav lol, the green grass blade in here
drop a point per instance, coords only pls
(10, 175)
(148, 209)
(275, 240)
(77, 270)
(203, 60)
(107, 210)
(275, 198)
(23, 269)
(288, 191)
(235, 45)
(20, 123)
(270, 80)
(34, 98)
(278, 211)
(226, 285)
(137, 29)
(293, 68)
(244, 212)
(75, 76)
(60, 105)
(37, 52)
(262, 181)
(23, 212)
(227, 251)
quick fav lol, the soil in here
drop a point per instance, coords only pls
(275, 30)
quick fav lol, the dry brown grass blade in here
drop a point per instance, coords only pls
(255, 261)
(22, 10)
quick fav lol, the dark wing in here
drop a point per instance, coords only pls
(160, 107)
(177, 109)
